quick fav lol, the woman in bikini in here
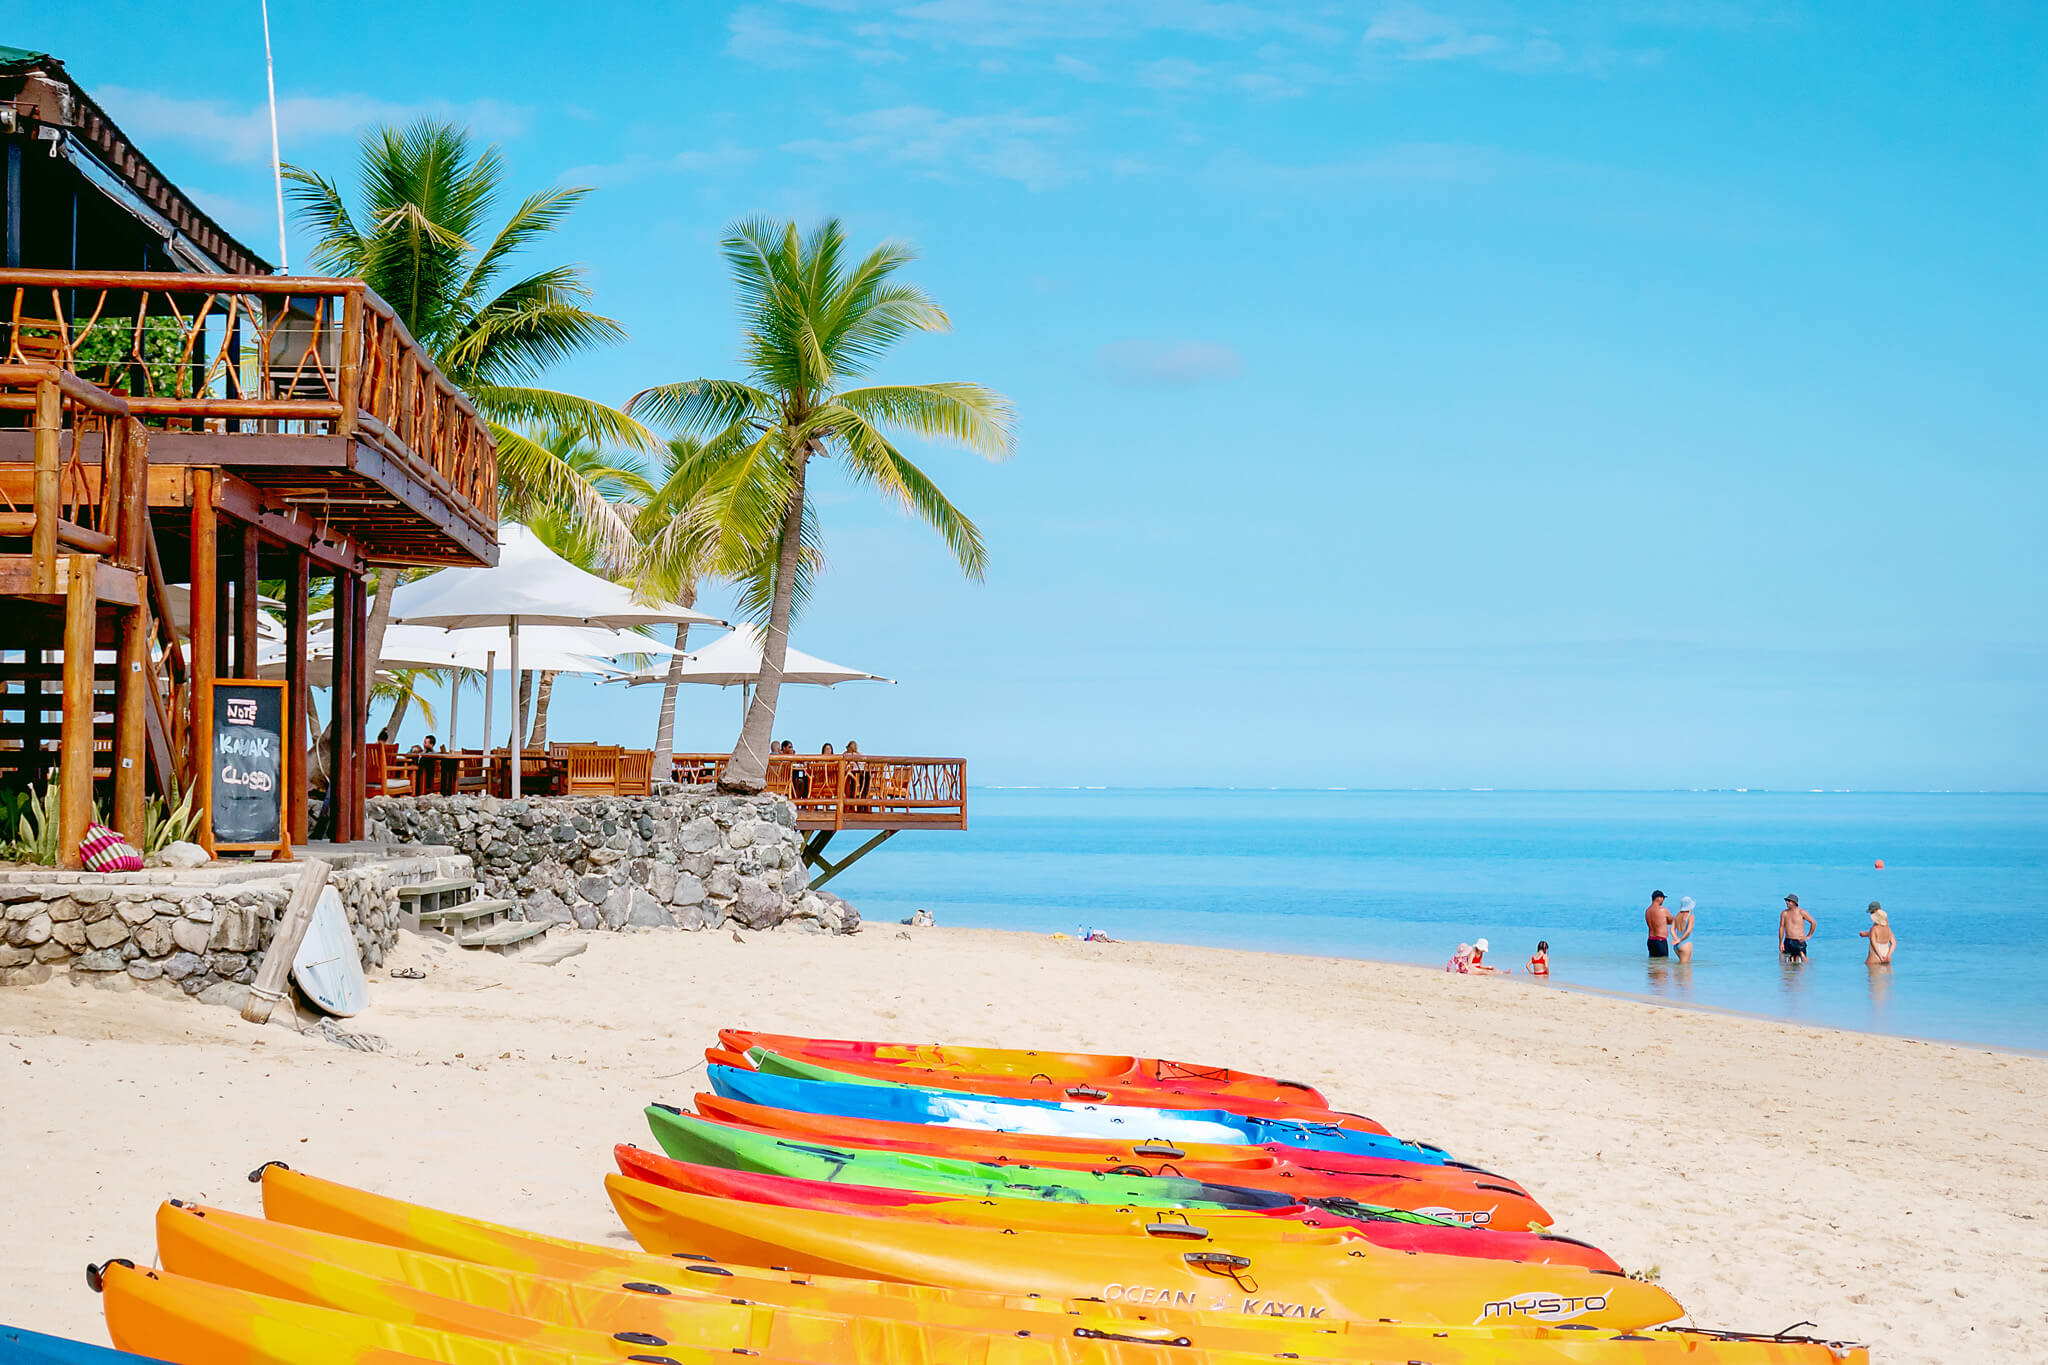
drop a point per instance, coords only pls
(1681, 930)
(1883, 942)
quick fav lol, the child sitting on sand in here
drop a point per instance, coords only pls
(1461, 961)
(1539, 962)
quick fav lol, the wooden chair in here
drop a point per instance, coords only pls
(593, 769)
(635, 772)
(387, 772)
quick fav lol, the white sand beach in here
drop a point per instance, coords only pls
(1890, 1191)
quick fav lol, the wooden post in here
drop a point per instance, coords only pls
(246, 631)
(295, 692)
(131, 697)
(350, 379)
(359, 678)
(341, 762)
(133, 530)
(81, 626)
(284, 945)
(205, 573)
(48, 498)
(223, 604)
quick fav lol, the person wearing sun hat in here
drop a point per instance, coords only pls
(1795, 927)
(1883, 942)
(1681, 930)
(1479, 947)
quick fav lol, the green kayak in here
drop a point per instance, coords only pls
(688, 1138)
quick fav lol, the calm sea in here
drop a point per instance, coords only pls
(1406, 876)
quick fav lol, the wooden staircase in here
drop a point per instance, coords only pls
(451, 906)
(86, 608)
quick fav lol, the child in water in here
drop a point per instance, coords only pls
(1539, 962)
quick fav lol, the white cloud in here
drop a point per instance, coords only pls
(1415, 34)
(1412, 163)
(1075, 67)
(1168, 364)
(230, 132)
(1007, 146)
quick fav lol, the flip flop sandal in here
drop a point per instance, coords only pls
(410, 974)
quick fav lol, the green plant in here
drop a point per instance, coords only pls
(37, 828)
(164, 823)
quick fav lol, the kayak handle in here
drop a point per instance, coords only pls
(95, 1274)
(1092, 1334)
(1219, 1261)
(1160, 1149)
(1086, 1092)
(1187, 1231)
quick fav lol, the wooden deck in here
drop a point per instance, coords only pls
(310, 390)
(834, 792)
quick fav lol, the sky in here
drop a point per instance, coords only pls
(1629, 394)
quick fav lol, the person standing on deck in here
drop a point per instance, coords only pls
(1795, 927)
(1658, 921)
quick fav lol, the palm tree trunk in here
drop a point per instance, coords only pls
(665, 728)
(523, 703)
(747, 769)
(380, 617)
(398, 710)
(537, 737)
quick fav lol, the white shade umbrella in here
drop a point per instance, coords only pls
(529, 585)
(734, 660)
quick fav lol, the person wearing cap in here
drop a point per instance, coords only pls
(1883, 943)
(1658, 920)
(1795, 927)
(1681, 930)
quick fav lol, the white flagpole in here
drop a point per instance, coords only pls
(284, 265)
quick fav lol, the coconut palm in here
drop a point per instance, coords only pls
(421, 237)
(813, 322)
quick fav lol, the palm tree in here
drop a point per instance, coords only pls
(813, 321)
(421, 239)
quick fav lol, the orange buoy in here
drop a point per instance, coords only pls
(1880, 864)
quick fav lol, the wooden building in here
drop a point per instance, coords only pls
(178, 422)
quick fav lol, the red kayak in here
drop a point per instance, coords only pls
(876, 1201)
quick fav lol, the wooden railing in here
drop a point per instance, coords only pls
(299, 356)
(855, 791)
(90, 493)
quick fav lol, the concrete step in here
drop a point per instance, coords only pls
(504, 937)
(546, 952)
(422, 897)
(476, 914)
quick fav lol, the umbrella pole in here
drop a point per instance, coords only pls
(454, 706)
(518, 715)
(490, 691)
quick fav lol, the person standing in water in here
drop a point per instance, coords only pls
(1795, 927)
(1658, 921)
(1883, 943)
(1681, 930)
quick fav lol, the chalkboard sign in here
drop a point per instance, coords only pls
(249, 770)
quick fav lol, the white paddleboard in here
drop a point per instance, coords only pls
(326, 967)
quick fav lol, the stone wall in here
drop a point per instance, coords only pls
(686, 856)
(183, 929)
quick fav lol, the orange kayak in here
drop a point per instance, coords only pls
(1052, 1069)
(373, 1226)
(1314, 1278)
(835, 1196)
(771, 1062)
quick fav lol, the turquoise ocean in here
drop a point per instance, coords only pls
(1405, 876)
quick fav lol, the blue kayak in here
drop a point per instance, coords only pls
(19, 1346)
(1055, 1118)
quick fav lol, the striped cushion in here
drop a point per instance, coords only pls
(103, 851)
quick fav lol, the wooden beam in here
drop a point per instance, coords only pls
(131, 698)
(81, 626)
(205, 572)
(296, 692)
(49, 417)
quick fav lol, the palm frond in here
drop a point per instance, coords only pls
(535, 471)
(975, 417)
(873, 461)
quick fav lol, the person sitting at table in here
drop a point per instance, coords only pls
(825, 750)
(856, 773)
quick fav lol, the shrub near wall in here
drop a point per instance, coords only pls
(688, 857)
